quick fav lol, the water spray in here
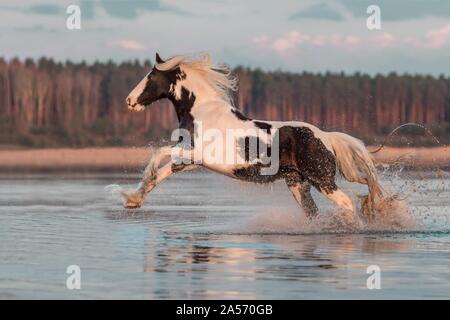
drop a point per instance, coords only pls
(409, 124)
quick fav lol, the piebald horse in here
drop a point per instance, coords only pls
(200, 92)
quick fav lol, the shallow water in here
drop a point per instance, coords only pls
(201, 235)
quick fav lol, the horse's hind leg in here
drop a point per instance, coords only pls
(302, 194)
(344, 202)
(341, 199)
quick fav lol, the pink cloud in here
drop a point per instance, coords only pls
(437, 38)
(292, 40)
(127, 44)
(384, 40)
(289, 41)
(260, 40)
(352, 40)
(336, 39)
(319, 40)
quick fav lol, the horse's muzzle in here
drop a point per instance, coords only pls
(136, 107)
(133, 106)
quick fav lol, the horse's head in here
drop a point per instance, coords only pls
(157, 84)
(183, 80)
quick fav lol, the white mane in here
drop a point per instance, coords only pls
(218, 76)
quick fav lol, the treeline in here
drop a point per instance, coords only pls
(47, 104)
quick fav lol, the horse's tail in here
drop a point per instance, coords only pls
(356, 164)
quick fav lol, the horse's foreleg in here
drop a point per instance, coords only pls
(302, 194)
(150, 180)
(154, 174)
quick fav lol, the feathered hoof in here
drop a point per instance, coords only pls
(390, 211)
(132, 200)
(351, 220)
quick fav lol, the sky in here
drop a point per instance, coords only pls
(291, 35)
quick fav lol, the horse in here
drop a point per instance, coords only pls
(201, 93)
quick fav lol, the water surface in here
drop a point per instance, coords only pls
(204, 236)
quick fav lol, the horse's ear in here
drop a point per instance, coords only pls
(158, 59)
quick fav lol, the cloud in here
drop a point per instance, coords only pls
(352, 40)
(45, 9)
(318, 11)
(34, 28)
(127, 44)
(131, 9)
(41, 9)
(400, 9)
(87, 9)
(433, 39)
(260, 40)
(437, 38)
(289, 41)
(292, 40)
(384, 40)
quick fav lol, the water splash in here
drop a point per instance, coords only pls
(327, 221)
(409, 124)
(113, 192)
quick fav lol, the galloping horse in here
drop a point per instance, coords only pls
(200, 92)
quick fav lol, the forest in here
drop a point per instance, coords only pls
(45, 103)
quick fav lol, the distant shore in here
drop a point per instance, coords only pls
(123, 159)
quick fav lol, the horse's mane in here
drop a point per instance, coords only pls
(218, 76)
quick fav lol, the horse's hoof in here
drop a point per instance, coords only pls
(351, 220)
(132, 200)
(130, 205)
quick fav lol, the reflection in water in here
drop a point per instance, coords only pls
(222, 240)
(314, 259)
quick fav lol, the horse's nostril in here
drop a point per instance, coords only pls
(128, 101)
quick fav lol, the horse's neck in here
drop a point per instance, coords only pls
(202, 91)
(199, 100)
(213, 108)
